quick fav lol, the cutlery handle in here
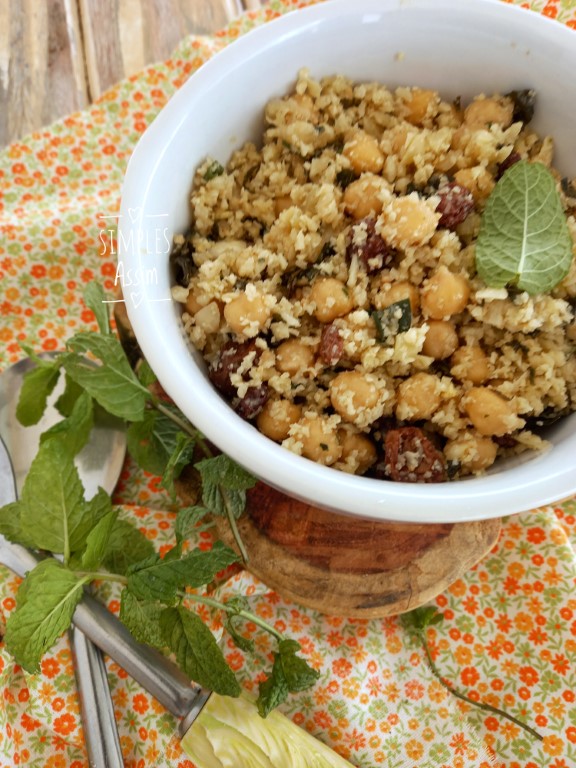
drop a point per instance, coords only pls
(157, 674)
(100, 730)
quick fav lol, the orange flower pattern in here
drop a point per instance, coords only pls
(509, 635)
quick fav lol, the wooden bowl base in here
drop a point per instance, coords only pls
(345, 566)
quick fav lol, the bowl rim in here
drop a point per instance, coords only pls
(468, 499)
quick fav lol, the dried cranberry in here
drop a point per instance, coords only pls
(456, 202)
(505, 441)
(369, 247)
(229, 360)
(249, 406)
(511, 160)
(331, 345)
(411, 457)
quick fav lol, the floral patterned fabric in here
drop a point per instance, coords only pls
(509, 631)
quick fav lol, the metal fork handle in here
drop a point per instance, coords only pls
(155, 673)
(100, 730)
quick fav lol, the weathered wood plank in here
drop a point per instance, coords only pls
(56, 56)
(41, 64)
(139, 32)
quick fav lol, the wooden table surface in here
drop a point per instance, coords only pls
(57, 56)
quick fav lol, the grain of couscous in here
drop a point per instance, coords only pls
(329, 280)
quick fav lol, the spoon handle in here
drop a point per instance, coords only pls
(101, 733)
(155, 673)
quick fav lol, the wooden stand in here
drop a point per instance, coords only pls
(341, 565)
(345, 566)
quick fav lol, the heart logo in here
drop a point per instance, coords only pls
(135, 214)
(136, 298)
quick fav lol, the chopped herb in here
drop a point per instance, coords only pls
(213, 170)
(345, 177)
(392, 320)
(524, 105)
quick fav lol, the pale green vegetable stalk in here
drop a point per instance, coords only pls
(230, 733)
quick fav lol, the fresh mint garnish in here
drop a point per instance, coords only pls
(524, 239)
(197, 651)
(98, 545)
(44, 611)
(113, 383)
(36, 389)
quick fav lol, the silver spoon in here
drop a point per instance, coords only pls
(99, 464)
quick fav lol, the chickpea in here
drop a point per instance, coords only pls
(408, 221)
(358, 448)
(319, 439)
(247, 314)
(472, 451)
(490, 413)
(477, 180)
(276, 418)
(193, 303)
(332, 299)
(391, 293)
(208, 318)
(294, 357)
(364, 153)
(483, 112)
(444, 294)
(352, 394)
(420, 104)
(418, 397)
(441, 340)
(364, 196)
(469, 363)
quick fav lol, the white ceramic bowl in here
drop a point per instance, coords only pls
(458, 47)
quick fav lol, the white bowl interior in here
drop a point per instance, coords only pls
(459, 48)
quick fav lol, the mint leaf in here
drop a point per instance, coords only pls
(524, 239)
(97, 541)
(224, 471)
(67, 399)
(142, 618)
(197, 652)
(74, 430)
(272, 692)
(159, 579)
(187, 521)
(419, 619)
(181, 456)
(52, 500)
(37, 386)
(113, 384)
(298, 674)
(50, 597)
(127, 546)
(145, 374)
(152, 441)
(290, 673)
(224, 485)
(11, 525)
(94, 298)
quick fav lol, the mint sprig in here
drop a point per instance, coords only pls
(417, 623)
(524, 240)
(97, 545)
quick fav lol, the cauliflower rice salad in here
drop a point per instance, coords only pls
(329, 280)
